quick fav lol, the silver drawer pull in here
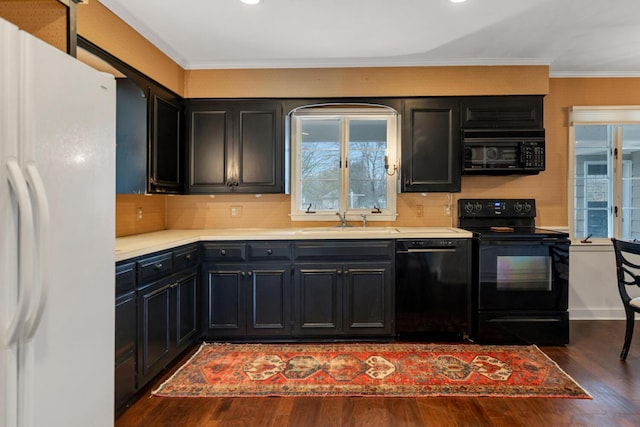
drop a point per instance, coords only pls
(158, 266)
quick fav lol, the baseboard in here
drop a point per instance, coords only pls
(596, 314)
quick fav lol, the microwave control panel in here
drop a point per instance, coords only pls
(533, 154)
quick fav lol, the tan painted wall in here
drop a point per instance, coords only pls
(381, 81)
(45, 19)
(99, 25)
(154, 213)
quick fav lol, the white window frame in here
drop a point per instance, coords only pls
(606, 116)
(393, 143)
(586, 175)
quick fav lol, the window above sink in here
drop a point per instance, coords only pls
(344, 160)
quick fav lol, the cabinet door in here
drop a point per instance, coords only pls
(131, 137)
(165, 142)
(269, 295)
(318, 299)
(368, 298)
(154, 313)
(186, 310)
(431, 159)
(235, 146)
(502, 112)
(259, 148)
(224, 300)
(208, 145)
(125, 346)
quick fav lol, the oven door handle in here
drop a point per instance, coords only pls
(426, 250)
(525, 242)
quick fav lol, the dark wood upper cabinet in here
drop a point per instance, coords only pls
(502, 112)
(235, 146)
(131, 137)
(165, 153)
(431, 148)
(149, 130)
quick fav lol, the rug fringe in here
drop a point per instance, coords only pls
(184, 365)
(564, 372)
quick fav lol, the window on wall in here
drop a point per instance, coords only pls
(342, 160)
(605, 166)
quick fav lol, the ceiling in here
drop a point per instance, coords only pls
(572, 37)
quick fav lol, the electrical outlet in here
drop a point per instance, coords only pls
(139, 214)
(236, 211)
(447, 210)
(419, 211)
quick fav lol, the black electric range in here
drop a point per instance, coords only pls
(521, 273)
(503, 219)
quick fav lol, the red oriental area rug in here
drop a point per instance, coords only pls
(377, 369)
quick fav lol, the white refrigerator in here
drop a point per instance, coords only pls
(57, 191)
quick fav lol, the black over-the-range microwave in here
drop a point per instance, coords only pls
(499, 152)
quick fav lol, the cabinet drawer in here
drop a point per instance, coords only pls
(185, 257)
(225, 252)
(341, 251)
(264, 251)
(155, 267)
(125, 277)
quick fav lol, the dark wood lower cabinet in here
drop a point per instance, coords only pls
(224, 310)
(368, 300)
(318, 299)
(353, 299)
(167, 321)
(125, 355)
(282, 290)
(125, 335)
(269, 310)
(247, 300)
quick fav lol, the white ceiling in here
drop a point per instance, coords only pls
(573, 37)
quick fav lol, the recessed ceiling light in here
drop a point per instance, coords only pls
(251, 2)
(457, 1)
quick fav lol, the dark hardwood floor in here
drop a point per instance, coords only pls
(592, 359)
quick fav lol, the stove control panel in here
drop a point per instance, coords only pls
(493, 208)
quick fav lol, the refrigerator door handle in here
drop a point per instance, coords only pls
(41, 229)
(15, 329)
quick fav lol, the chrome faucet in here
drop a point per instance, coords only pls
(364, 220)
(343, 219)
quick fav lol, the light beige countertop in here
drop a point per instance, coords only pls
(143, 244)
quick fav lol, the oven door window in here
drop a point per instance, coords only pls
(523, 275)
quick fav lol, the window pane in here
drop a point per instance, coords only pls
(367, 177)
(593, 181)
(631, 182)
(320, 164)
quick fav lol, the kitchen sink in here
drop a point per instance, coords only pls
(349, 230)
(429, 230)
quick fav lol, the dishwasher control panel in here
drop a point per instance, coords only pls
(406, 244)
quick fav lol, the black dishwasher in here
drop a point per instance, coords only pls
(433, 289)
